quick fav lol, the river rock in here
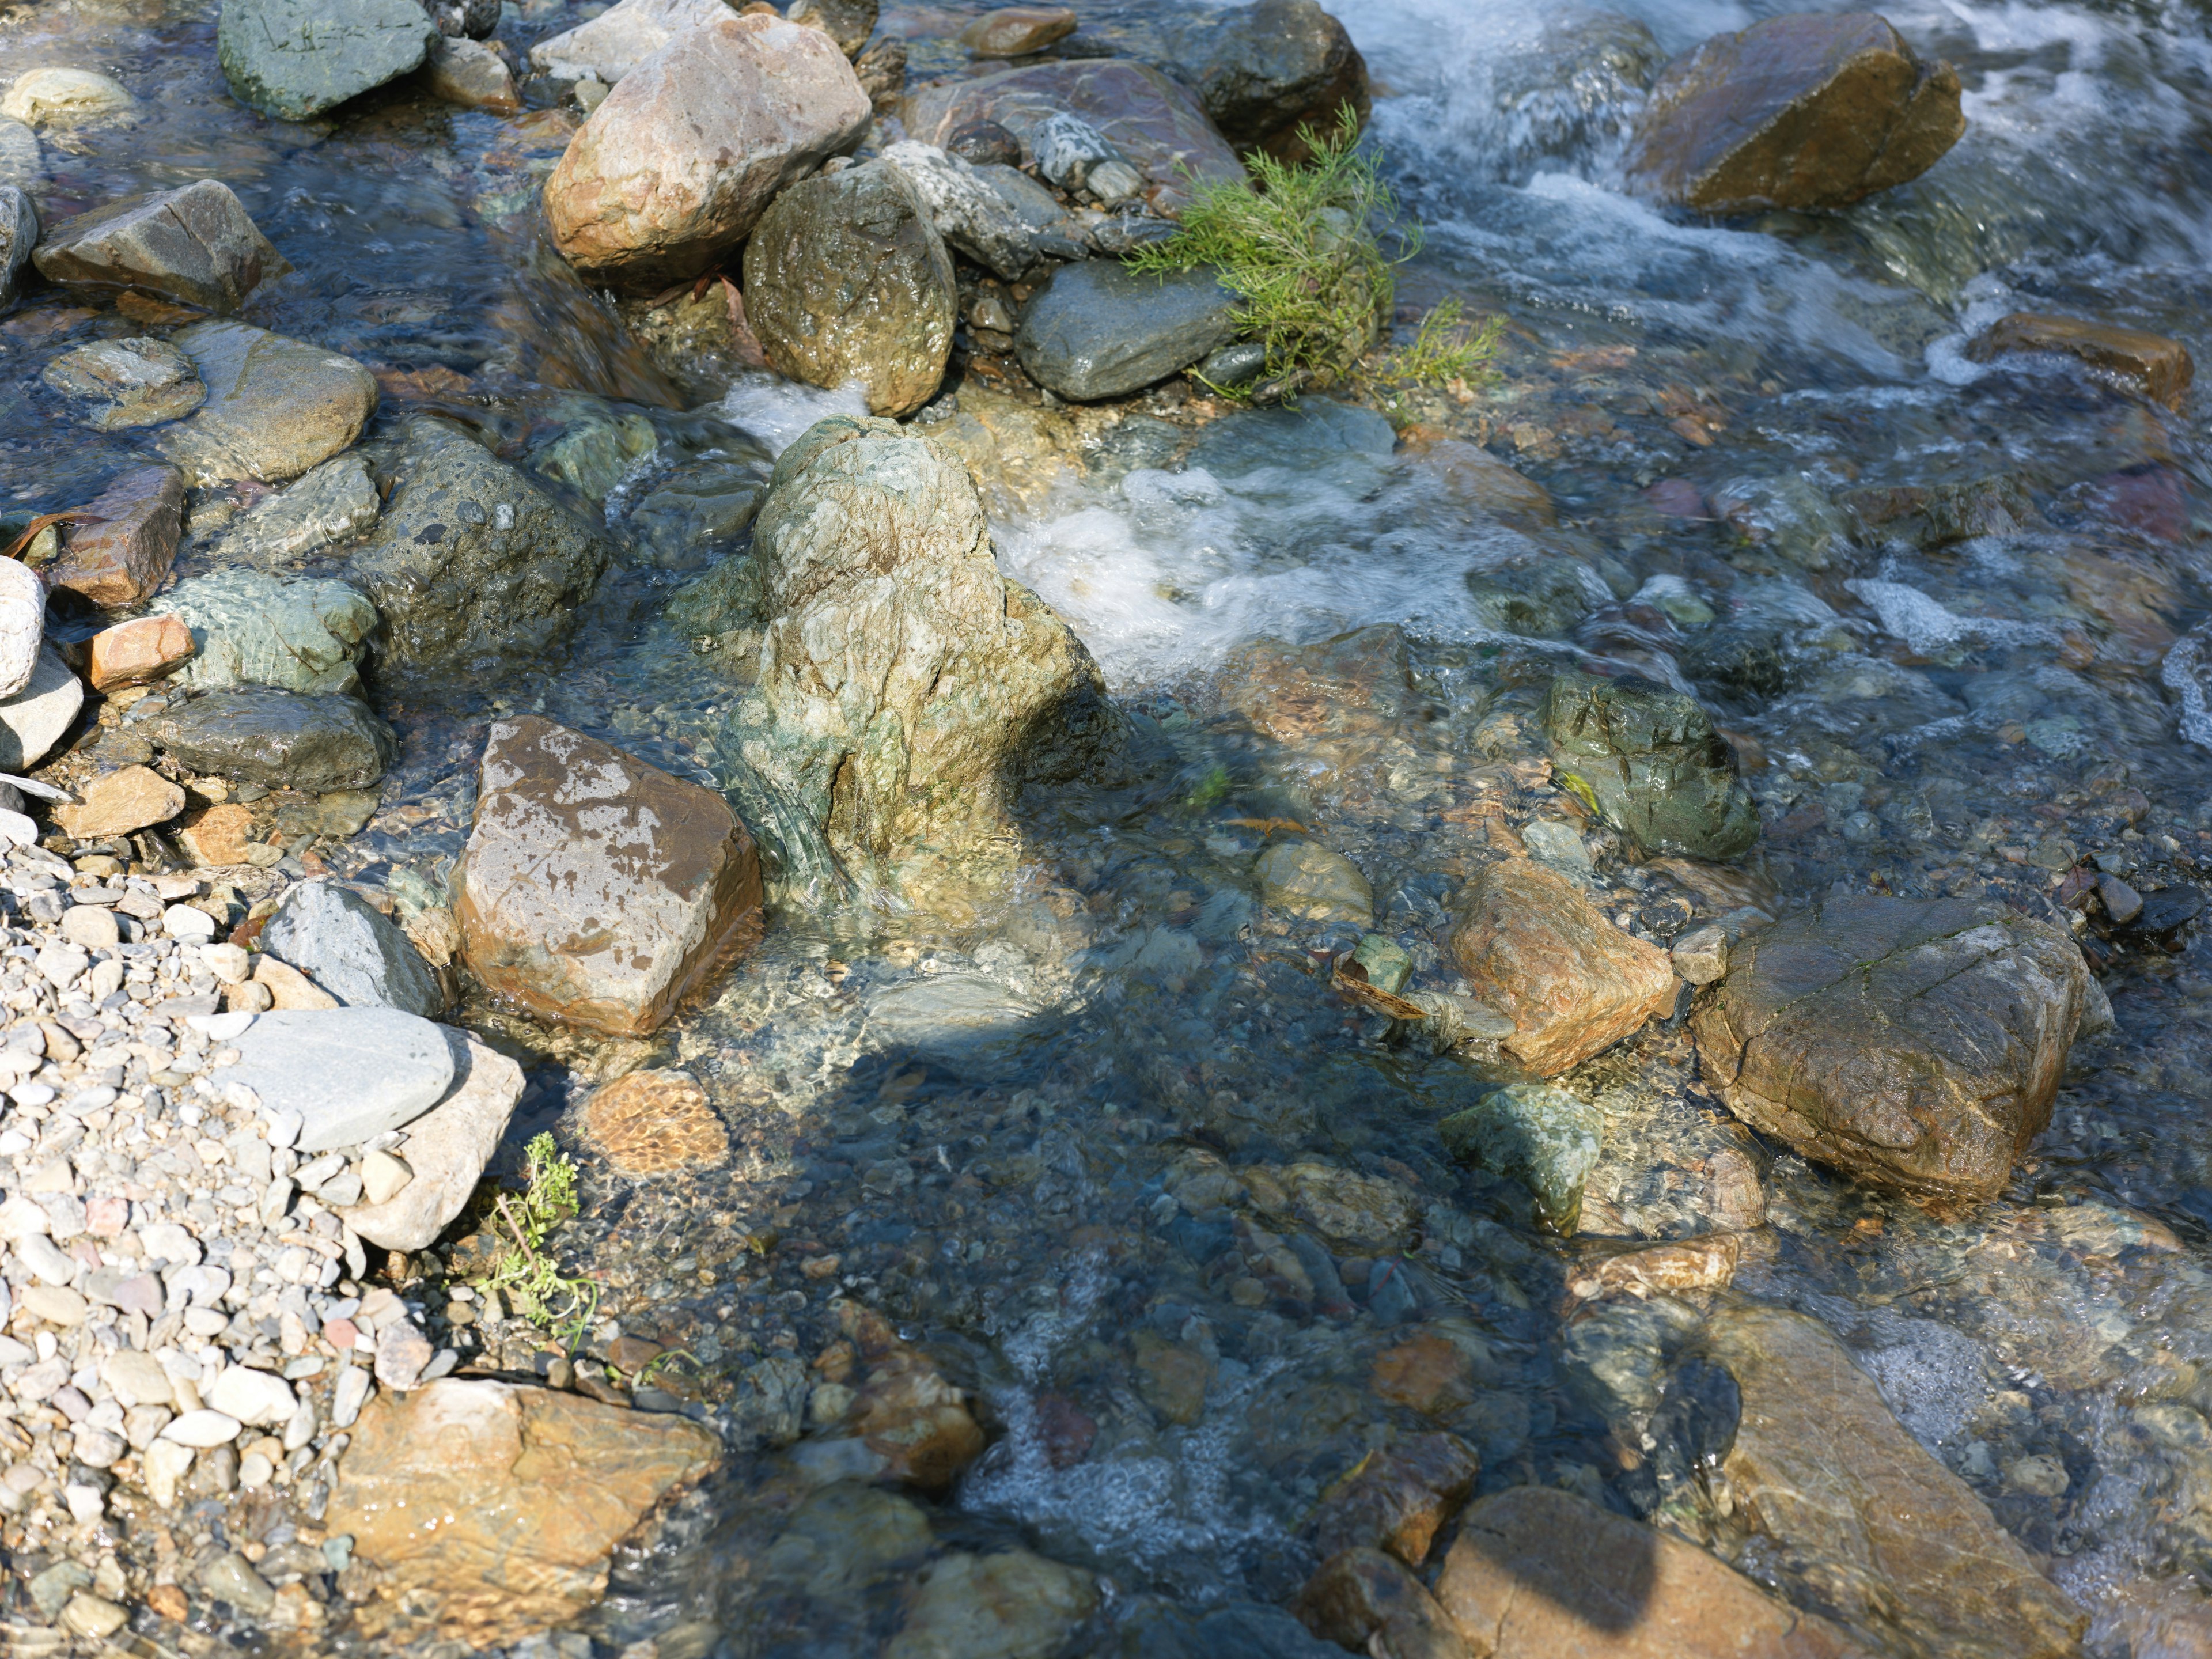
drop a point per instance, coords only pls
(117, 803)
(472, 565)
(1916, 1044)
(294, 59)
(1264, 70)
(654, 1123)
(1807, 110)
(678, 164)
(1538, 951)
(196, 244)
(127, 383)
(143, 648)
(276, 406)
(447, 1150)
(1153, 121)
(1650, 756)
(1860, 1516)
(611, 45)
(848, 280)
(2150, 365)
(1543, 1137)
(1537, 1573)
(571, 834)
(279, 739)
(249, 628)
(500, 1504)
(351, 949)
(1305, 879)
(906, 691)
(350, 1073)
(37, 717)
(1100, 329)
(324, 506)
(847, 22)
(22, 624)
(1012, 1604)
(464, 20)
(126, 557)
(1017, 31)
(19, 236)
(1364, 1601)
(994, 215)
(471, 74)
(699, 509)
(57, 97)
(1359, 683)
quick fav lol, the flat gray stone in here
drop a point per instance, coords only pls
(34, 720)
(1100, 329)
(350, 1073)
(294, 59)
(350, 948)
(447, 1150)
(253, 628)
(279, 739)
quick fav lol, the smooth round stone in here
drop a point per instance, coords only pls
(350, 1073)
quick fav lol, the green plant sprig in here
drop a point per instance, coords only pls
(524, 1271)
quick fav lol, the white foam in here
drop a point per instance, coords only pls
(1927, 626)
(2184, 674)
(776, 410)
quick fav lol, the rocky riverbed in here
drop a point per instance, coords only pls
(747, 909)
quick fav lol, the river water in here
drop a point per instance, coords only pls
(988, 1118)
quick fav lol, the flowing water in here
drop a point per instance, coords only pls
(999, 1123)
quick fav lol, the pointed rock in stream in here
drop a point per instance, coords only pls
(126, 557)
(609, 45)
(196, 245)
(598, 890)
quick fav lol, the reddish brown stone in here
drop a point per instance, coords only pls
(1397, 1500)
(140, 649)
(1428, 1371)
(218, 837)
(653, 1123)
(1017, 31)
(2157, 367)
(1354, 684)
(1471, 476)
(599, 889)
(1360, 1593)
(126, 557)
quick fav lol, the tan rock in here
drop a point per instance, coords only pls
(499, 1505)
(1537, 951)
(1427, 1371)
(471, 74)
(287, 987)
(677, 164)
(1172, 1377)
(1537, 1573)
(276, 406)
(447, 1148)
(914, 1425)
(124, 558)
(653, 1123)
(1364, 1600)
(1688, 1264)
(1469, 475)
(2149, 364)
(1870, 1524)
(218, 835)
(119, 802)
(1398, 1500)
(1012, 1604)
(599, 890)
(609, 45)
(1017, 31)
(143, 648)
(1304, 878)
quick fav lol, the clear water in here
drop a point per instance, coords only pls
(980, 1114)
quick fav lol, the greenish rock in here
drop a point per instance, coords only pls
(1308, 881)
(1536, 594)
(328, 504)
(1652, 764)
(276, 406)
(279, 739)
(294, 59)
(701, 505)
(250, 628)
(594, 450)
(1384, 961)
(231, 1577)
(1100, 329)
(1542, 1137)
(472, 566)
(720, 613)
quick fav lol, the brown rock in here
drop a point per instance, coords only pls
(1537, 1573)
(1541, 954)
(680, 163)
(499, 1505)
(119, 802)
(1914, 1043)
(1428, 1371)
(599, 889)
(1801, 111)
(1397, 1500)
(2150, 365)
(1469, 475)
(1688, 1264)
(1862, 1516)
(218, 835)
(142, 648)
(653, 1123)
(916, 1422)
(287, 987)
(1017, 31)
(126, 557)
(471, 74)
(196, 244)
(1362, 1599)
(1172, 1377)
(1355, 685)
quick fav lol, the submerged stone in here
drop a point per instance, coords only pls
(274, 406)
(250, 629)
(127, 383)
(1314, 884)
(1659, 771)
(1543, 1137)
(2152, 365)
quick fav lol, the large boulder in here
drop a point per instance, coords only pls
(275, 407)
(1156, 124)
(1100, 329)
(677, 166)
(598, 891)
(498, 1506)
(1649, 755)
(249, 628)
(472, 564)
(847, 280)
(1266, 70)
(1809, 109)
(611, 45)
(294, 59)
(279, 739)
(1856, 1515)
(1538, 951)
(1914, 1043)
(127, 553)
(907, 690)
(196, 245)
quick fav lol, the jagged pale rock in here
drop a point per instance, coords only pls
(276, 406)
(570, 833)
(995, 215)
(609, 46)
(677, 166)
(294, 59)
(126, 557)
(196, 244)
(22, 624)
(447, 1150)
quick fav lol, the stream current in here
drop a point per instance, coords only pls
(991, 1120)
